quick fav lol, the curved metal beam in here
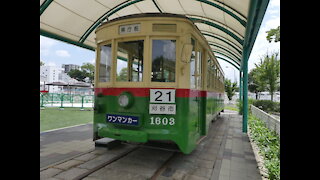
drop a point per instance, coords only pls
(223, 40)
(228, 62)
(222, 37)
(104, 16)
(220, 47)
(225, 48)
(126, 3)
(154, 2)
(241, 21)
(218, 27)
(44, 6)
(216, 22)
(221, 53)
(54, 36)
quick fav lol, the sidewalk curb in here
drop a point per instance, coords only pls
(260, 161)
(44, 132)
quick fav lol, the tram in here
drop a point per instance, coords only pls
(156, 79)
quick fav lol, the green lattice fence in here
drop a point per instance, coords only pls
(65, 100)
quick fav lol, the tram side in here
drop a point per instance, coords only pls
(160, 83)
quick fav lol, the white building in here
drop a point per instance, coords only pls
(50, 74)
(262, 96)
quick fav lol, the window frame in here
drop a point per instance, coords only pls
(98, 58)
(114, 74)
(152, 83)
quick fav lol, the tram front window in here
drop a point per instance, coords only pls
(105, 63)
(163, 60)
(130, 61)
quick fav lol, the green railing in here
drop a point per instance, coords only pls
(63, 100)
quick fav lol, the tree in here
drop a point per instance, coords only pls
(123, 75)
(268, 72)
(230, 88)
(41, 63)
(273, 35)
(77, 74)
(88, 69)
(255, 83)
(252, 83)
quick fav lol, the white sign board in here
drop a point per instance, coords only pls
(162, 109)
(131, 28)
(162, 95)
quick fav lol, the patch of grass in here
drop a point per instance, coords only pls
(52, 118)
(231, 108)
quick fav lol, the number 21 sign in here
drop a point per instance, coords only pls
(162, 95)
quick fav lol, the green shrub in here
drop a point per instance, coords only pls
(269, 144)
(267, 105)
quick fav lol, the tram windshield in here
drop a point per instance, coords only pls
(163, 60)
(130, 61)
(105, 63)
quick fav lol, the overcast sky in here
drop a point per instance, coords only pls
(56, 53)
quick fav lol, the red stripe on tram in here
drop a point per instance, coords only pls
(145, 92)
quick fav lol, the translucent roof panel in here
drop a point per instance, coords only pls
(232, 24)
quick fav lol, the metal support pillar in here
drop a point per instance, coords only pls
(240, 86)
(245, 92)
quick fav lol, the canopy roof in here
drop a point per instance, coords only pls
(230, 26)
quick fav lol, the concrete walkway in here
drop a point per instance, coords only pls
(65, 143)
(226, 153)
(236, 160)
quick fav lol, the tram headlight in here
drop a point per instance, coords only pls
(125, 99)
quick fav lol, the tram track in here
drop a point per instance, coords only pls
(105, 164)
(126, 161)
(129, 161)
(144, 161)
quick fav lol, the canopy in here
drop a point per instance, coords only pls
(223, 23)
(230, 26)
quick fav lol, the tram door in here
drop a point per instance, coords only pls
(199, 86)
(196, 81)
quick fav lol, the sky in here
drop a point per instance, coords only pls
(261, 46)
(56, 53)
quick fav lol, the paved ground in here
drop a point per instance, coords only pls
(64, 143)
(226, 154)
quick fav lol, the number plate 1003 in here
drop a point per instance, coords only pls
(122, 119)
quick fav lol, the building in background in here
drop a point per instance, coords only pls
(50, 74)
(53, 74)
(69, 67)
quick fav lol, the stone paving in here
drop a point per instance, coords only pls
(64, 143)
(226, 154)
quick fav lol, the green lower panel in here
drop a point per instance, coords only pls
(123, 134)
(184, 128)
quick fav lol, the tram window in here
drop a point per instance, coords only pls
(192, 65)
(199, 70)
(208, 73)
(105, 63)
(130, 61)
(163, 60)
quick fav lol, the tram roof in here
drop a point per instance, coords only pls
(230, 26)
